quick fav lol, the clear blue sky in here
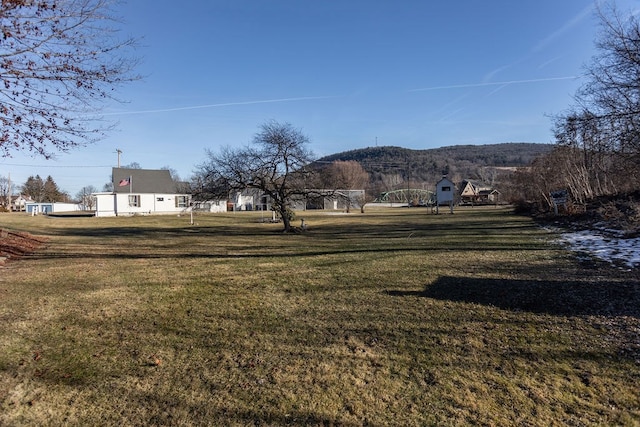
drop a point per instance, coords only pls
(348, 73)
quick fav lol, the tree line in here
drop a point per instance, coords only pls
(392, 168)
(39, 190)
(61, 61)
(597, 150)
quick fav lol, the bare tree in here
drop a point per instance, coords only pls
(59, 61)
(601, 135)
(107, 187)
(392, 181)
(348, 175)
(181, 185)
(487, 175)
(174, 173)
(609, 102)
(85, 197)
(611, 97)
(275, 164)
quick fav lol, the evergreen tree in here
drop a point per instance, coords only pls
(51, 191)
(34, 188)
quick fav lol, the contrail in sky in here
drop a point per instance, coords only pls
(227, 104)
(566, 27)
(494, 83)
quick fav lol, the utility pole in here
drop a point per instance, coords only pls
(119, 151)
(408, 184)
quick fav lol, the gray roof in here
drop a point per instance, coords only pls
(156, 181)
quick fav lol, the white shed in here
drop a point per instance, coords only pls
(35, 208)
(445, 193)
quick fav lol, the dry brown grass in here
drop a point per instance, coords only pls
(395, 317)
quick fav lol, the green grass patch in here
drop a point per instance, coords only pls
(393, 317)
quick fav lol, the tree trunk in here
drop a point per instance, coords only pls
(285, 214)
(286, 221)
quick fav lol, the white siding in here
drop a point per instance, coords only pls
(211, 206)
(445, 191)
(45, 207)
(110, 204)
(104, 204)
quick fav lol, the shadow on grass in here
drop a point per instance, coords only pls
(561, 297)
(154, 232)
(268, 251)
(467, 226)
(250, 240)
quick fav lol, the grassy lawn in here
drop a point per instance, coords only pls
(394, 317)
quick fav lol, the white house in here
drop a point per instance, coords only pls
(141, 192)
(19, 202)
(473, 193)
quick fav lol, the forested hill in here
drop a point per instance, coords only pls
(458, 161)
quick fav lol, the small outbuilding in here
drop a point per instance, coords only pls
(445, 193)
(47, 208)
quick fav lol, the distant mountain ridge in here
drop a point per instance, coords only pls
(504, 154)
(428, 165)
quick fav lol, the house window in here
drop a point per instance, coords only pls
(182, 201)
(446, 188)
(134, 200)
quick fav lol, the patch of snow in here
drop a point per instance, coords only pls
(607, 247)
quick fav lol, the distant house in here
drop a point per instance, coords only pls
(210, 206)
(489, 195)
(19, 202)
(142, 192)
(252, 199)
(468, 192)
(477, 194)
